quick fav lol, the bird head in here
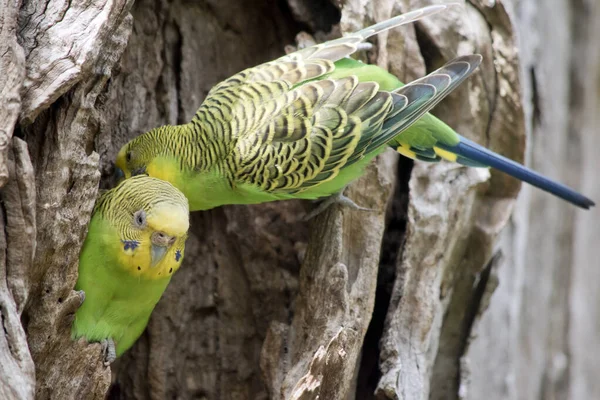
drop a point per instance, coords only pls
(152, 220)
(134, 157)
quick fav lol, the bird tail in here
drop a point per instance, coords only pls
(418, 135)
(466, 152)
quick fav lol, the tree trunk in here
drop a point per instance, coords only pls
(387, 304)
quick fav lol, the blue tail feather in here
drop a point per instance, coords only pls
(475, 152)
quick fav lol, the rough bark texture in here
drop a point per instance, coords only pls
(542, 324)
(386, 304)
(17, 237)
(17, 244)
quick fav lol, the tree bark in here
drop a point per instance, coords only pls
(386, 304)
(542, 324)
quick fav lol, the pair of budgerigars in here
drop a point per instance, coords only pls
(300, 127)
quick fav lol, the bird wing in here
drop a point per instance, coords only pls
(287, 127)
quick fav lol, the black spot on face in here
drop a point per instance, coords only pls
(139, 268)
(171, 270)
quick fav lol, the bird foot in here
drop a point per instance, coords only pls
(337, 198)
(109, 351)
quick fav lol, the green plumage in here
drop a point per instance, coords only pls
(121, 280)
(305, 125)
(116, 305)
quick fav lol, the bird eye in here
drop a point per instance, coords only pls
(139, 219)
(128, 156)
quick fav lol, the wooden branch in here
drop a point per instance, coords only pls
(17, 236)
(317, 355)
(17, 247)
(70, 52)
(12, 65)
(65, 43)
(541, 326)
(452, 224)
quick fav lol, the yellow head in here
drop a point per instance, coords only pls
(151, 218)
(134, 157)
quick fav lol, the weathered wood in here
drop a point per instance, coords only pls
(65, 43)
(70, 51)
(452, 222)
(17, 247)
(317, 355)
(17, 211)
(541, 327)
(12, 71)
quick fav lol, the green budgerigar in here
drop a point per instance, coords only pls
(135, 243)
(305, 125)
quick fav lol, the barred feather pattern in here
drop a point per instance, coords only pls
(285, 126)
(119, 204)
(286, 137)
(296, 138)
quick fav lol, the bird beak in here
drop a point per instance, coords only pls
(118, 175)
(157, 254)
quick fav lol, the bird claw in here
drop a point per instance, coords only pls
(109, 351)
(337, 198)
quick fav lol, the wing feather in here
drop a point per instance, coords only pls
(290, 128)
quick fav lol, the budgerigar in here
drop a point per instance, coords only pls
(134, 245)
(305, 125)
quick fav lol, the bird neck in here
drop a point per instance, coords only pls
(206, 150)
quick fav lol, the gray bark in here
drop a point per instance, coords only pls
(17, 243)
(542, 324)
(389, 303)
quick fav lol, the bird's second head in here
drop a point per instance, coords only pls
(140, 153)
(152, 220)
